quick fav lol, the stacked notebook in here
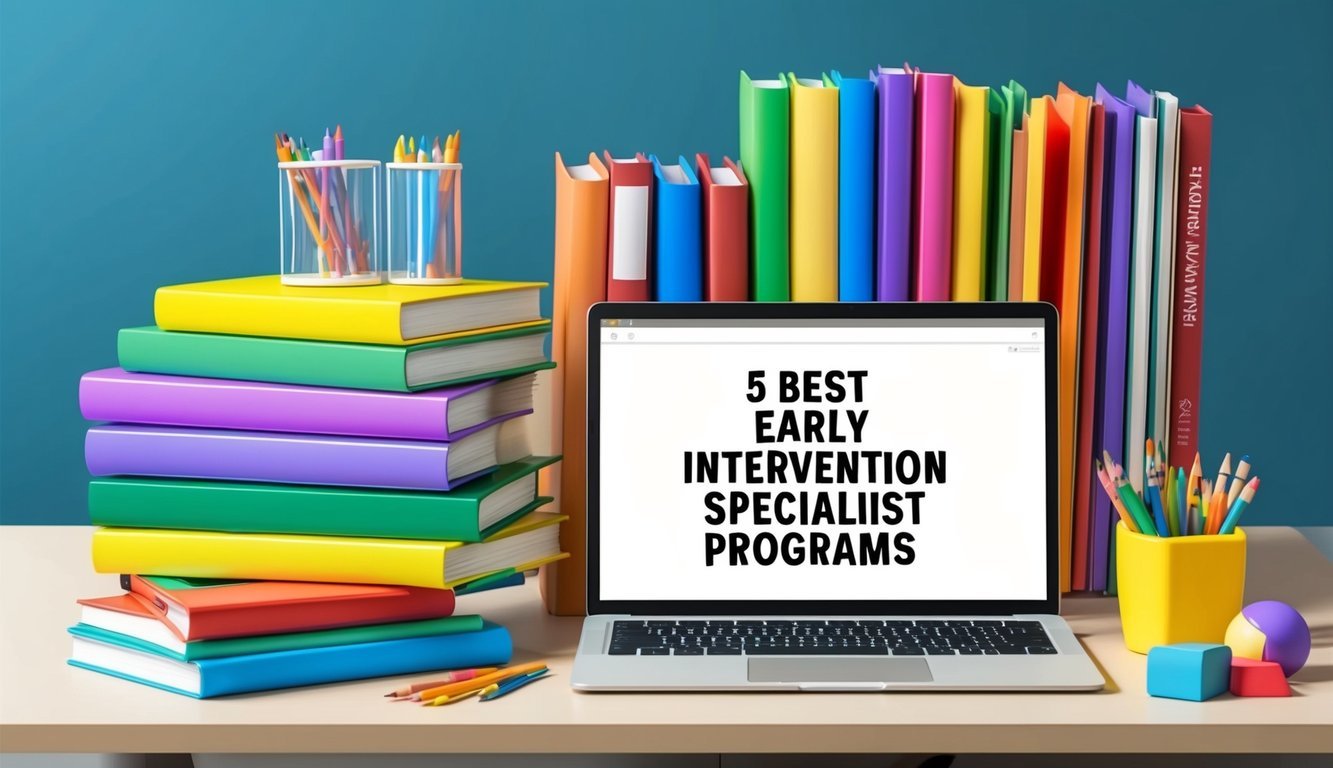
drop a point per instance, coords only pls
(906, 185)
(300, 479)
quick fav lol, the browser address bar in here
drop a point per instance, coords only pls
(860, 335)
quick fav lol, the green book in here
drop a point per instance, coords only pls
(334, 364)
(471, 512)
(765, 140)
(147, 633)
(1013, 108)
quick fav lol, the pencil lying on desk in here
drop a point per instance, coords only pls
(458, 676)
(481, 681)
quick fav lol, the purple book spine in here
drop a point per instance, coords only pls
(266, 457)
(1113, 310)
(187, 401)
(894, 185)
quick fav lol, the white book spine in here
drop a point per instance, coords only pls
(1145, 204)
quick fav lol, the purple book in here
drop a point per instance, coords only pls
(1112, 312)
(894, 184)
(218, 454)
(113, 394)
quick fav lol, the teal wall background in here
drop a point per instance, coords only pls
(135, 150)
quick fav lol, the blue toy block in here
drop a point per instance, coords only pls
(1189, 671)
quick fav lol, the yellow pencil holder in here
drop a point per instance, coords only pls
(1182, 589)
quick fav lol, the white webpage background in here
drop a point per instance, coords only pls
(982, 532)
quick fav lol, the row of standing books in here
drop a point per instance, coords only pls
(298, 484)
(913, 186)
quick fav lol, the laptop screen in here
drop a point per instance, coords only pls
(858, 459)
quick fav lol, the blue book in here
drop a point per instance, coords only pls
(856, 187)
(678, 234)
(138, 661)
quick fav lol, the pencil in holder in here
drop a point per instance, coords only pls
(425, 221)
(1181, 589)
(328, 222)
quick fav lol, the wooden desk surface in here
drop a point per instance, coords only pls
(45, 705)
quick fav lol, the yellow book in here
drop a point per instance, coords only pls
(526, 544)
(1035, 199)
(814, 190)
(971, 161)
(368, 314)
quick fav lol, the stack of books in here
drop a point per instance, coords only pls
(296, 482)
(906, 185)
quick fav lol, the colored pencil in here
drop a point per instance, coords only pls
(440, 701)
(1182, 507)
(1238, 482)
(481, 681)
(1223, 472)
(456, 676)
(1119, 505)
(1242, 501)
(494, 692)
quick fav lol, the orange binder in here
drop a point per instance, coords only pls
(1073, 111)
(581, 197)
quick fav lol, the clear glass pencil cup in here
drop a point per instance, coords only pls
(425, 223)
(328, 222)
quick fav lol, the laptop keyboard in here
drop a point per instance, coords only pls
(866, 637)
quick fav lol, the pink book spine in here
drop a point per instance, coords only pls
(934, 187)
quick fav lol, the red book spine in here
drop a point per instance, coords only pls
(629, 228)
(1055, 191)
(1196, 145)
(280, 618)
(1085, 475)
(727, 231)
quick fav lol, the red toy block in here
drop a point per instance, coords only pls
(1257, 678)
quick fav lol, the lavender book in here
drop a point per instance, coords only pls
(446, 414)
(275, 457)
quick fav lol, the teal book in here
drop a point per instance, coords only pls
(131, 659)
(473, 357)
(126, 619)
(471, 512)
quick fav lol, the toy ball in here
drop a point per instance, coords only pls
(1271, 631)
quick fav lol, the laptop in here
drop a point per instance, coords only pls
(817, 497)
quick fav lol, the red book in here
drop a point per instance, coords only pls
(1055, 191)
(1196, 146)
(243, 609)
(1085, 473)
(629, 222)
(726, 196)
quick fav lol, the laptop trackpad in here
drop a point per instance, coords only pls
(839, 670)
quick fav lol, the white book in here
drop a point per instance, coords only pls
(1168, 146)
(1140, 292)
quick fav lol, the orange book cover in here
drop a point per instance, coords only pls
(581, 200)
(212, 611)
(1072, 110)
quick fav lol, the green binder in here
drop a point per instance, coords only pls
(765, 158)
(1015, 105)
